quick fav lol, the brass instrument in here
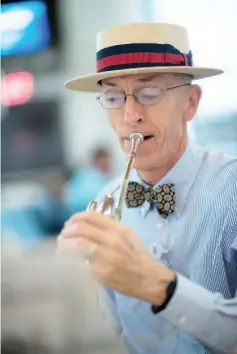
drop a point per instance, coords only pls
(107, 206)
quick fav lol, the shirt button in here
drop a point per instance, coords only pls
(153, 249)
(160, 225)
(183, 320)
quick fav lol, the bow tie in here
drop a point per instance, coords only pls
(162, 197)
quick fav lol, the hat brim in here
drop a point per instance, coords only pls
(90, 83)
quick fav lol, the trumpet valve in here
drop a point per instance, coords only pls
(107, 205)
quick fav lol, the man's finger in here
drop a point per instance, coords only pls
(74, 245)
(111, 229)
(100, 220)
(85, 230)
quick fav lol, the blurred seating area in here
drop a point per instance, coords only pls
(45, 311)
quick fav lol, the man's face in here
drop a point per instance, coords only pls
(163, 123)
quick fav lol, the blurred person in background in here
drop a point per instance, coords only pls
(87, 182)
(69, 193)
(168, 270)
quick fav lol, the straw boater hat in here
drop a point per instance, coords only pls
(141, 48)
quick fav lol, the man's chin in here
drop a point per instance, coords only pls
(141, 163)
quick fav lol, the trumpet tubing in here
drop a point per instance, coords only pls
(107, 205)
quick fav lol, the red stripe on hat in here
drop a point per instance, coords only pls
(141, 57)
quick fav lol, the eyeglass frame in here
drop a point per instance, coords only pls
(135, 97)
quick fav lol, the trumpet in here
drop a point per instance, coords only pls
(107, 205)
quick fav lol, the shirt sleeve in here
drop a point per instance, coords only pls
(208, 316)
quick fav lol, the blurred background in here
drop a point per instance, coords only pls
(58, 151)
(57, 147)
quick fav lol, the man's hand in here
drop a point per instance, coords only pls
(117, 257)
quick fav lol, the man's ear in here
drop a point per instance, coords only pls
(195, 94)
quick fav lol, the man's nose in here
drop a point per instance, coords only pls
(132, 114)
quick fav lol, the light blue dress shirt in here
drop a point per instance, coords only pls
(198, 242)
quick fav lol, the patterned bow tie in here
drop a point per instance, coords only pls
(162, 197)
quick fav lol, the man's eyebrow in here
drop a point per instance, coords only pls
(140, 79)
(109, 83)
(147, 78)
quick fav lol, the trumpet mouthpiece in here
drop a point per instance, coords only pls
(135, 139)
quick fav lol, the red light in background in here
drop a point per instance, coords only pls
(17, 88)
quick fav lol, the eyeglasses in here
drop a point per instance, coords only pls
(146, 96)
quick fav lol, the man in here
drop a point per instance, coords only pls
(169, 269)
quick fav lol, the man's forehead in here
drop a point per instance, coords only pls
(137, 78)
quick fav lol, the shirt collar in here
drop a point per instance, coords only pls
(182, 175)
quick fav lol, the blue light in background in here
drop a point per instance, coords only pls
(24, 28)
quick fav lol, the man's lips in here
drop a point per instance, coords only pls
(146, 137)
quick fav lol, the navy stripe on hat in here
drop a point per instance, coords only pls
(137, 55)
